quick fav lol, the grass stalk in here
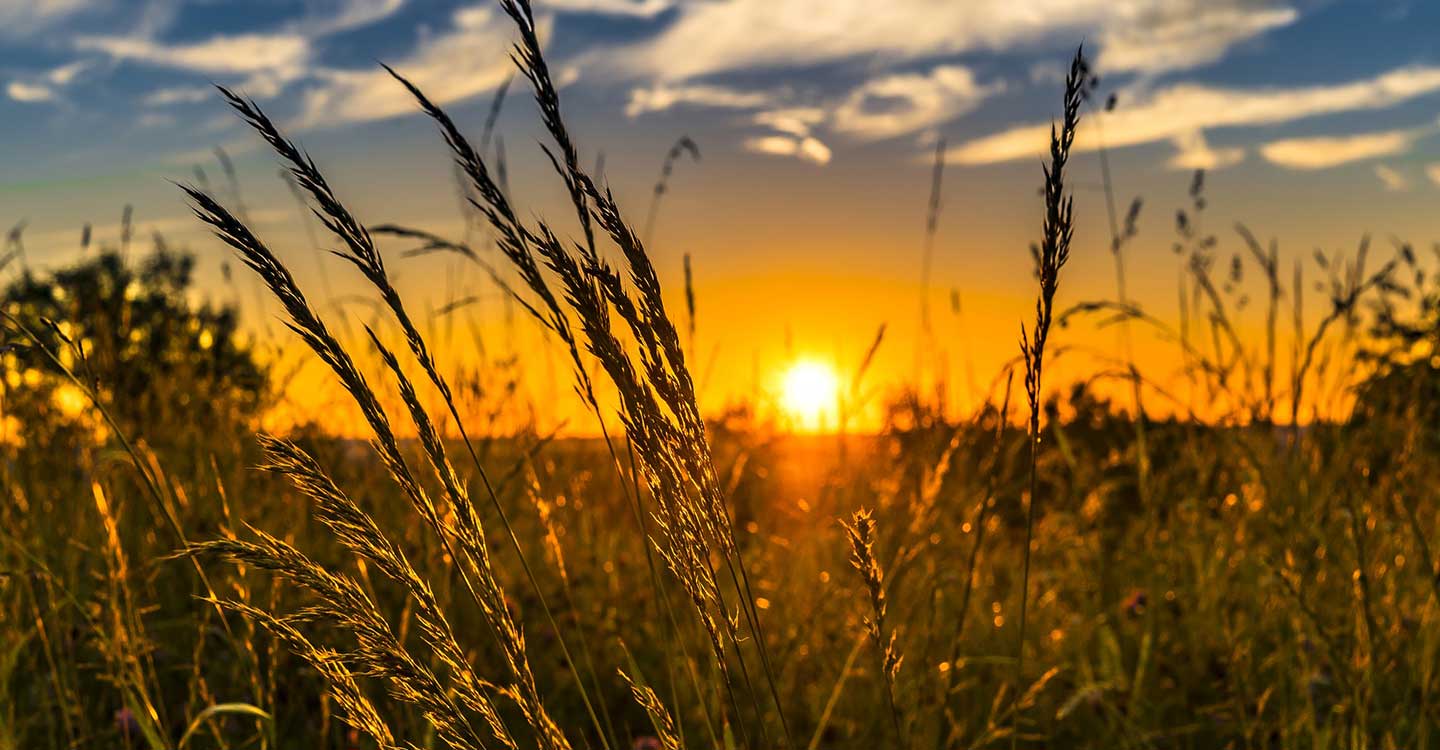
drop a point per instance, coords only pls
(1049, 256)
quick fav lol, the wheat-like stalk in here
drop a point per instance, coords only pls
(655, 709)
(340, 603)
(1049, 256)
(658, 401)
(860, 531)
(478, 575)
(358, 532)
(617, 315)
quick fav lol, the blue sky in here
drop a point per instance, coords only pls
(801, 79)
(1317, 120)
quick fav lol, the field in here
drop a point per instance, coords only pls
(1236, 558)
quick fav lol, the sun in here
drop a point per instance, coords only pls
(809, 394)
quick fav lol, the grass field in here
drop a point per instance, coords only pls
(1247, 564)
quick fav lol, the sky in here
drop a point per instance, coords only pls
(817, 122)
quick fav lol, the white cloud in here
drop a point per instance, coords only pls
(1332, 151)
(1391, 178)
(1192, 152)
(805, 148)
(344, 15)
(791, 134)
(796, 121)
(29, 92)
(904, 103)
(662, 96)
(267, 62)
(1185, 35)
(46, 86)
(632, 8)
(467, 59)
(1433, 172)
(179, 95)
(222, 54)
(882, 107)
(1182, 109)
(716, 37)
(64, 75)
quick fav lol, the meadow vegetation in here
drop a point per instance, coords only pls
(1238, 557)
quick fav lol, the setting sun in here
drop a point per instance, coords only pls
(809, 394)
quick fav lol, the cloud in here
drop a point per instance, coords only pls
(904, 103)
(717, 37)
(1392, 179)
(66, 74)
(346, 15)
(21, 18)
(1185, 35)
(1332, 151)
(269, 61)
(29, 92)
(805, 148)
(222, 54)
(662, 96)
(461, 62)
(791, 134)
(46, 86)
(1192, 152)
(1182, 109)
(796, 121)
(631, 8)
(1433, 172)
(179, 95)
(883, 107)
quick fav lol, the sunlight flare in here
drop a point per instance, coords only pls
(809, 395)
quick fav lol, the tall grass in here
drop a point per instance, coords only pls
(659, 410)
(1049, 256)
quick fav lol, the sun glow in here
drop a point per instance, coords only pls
(809, 395)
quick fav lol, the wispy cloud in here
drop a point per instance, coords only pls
(20, 18)
(632, 8)
(268, 61)
(339, 16)
(1332, 151)
(65, 75)
(467, 59)
(662, 96)
(1391, 178)
(796, 121)
(883, 107)
(905, 103)
(179, 95)
(221, 54)
(1193, 151)
(806, 148)
(1177, 111)
(717, 37)
(46, 86)
(29, 93)
(1181, 35)
(790, 134)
